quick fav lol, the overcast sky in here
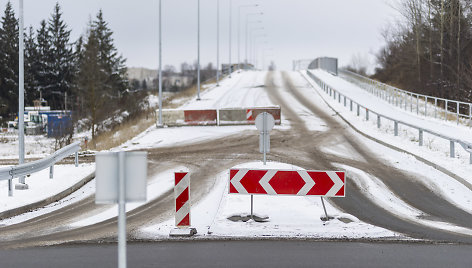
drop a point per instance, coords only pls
(295, 29)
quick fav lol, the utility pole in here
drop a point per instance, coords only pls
(21, 96)
(160, 63)
(198, 53)
(230, 12)
(217, 43)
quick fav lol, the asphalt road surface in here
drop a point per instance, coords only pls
(297, 145)
(244, 254)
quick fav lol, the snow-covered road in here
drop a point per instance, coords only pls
(311, 136)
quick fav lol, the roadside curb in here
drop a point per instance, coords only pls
(419, 158)
(26, 208)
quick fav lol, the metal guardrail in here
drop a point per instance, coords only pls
(415, 102)
(336, 94)
(9, 173)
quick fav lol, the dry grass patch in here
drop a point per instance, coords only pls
(134, 126)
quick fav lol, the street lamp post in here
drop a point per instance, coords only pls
(249, 40)
(239, 31)
(247, 24)
(267, 52)
(160, 63)
(254, 49)
(217, 43)
(230, 13)
(21, 101)
(198, 53)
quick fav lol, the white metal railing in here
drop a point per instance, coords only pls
(11, 172)
(336, 94)
(421, 104)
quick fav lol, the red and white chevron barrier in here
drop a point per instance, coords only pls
(182, 195)
(287, 182)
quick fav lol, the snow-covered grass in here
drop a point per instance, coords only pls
(42, 187)
(36, 146)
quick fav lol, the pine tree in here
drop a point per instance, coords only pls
(9, 62)
(113, 64)
(42, 69)
(31, 67)
(91, 79)
(61, 58)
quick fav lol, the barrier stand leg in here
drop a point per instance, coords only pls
(252, 206)
(421, 137)
(51, 172)
(10, 186)
(452, 153)
(76, 159)
(324, 208)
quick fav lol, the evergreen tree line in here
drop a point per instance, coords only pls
(87, 76)
(430, 52)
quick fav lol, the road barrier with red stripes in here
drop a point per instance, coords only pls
(252, 113)
(212, 117)
(287, 182)
(182, 199)
(201, 117)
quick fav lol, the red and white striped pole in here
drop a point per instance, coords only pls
(182, 202)
(249, 116)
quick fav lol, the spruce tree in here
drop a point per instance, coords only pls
(42, 68)
(31, 67)
(61, 58)
(9, 62)
(90, 80)
(113, 64)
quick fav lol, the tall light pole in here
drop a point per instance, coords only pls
(247, 23)
(198, 53)
(254, 49)
(230, 13)
(239, 31)
(217, 43)
(249, 40)
(21, 100)
(160, 63)
(257, 55)
(267, 52)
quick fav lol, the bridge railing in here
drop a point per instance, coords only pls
(11, 172)
(337, 95)
(430, 106)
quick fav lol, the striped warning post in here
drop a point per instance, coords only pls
(182, 203)
(249, 116)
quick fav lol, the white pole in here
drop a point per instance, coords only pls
(239, 37)
(239, 32)
(229, 65)
(247, 16)
(217, 42)
(160, 63)
(121, 212)
(21, 93)
(198, 52)
(264, 135)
